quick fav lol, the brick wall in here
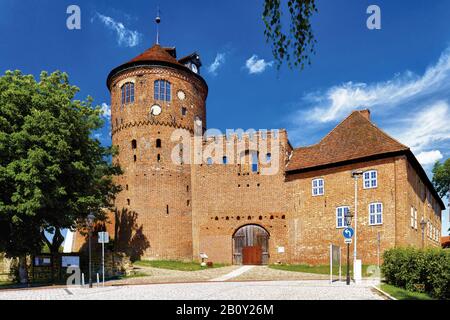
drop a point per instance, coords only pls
(313, 225)
(229, 196)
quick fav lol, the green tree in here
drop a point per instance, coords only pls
(53, 173)
(295, 45)
(441, 178)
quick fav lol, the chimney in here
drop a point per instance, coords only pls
(365, 113)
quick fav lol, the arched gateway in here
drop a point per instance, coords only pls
(251, 245)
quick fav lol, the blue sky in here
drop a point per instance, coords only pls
(401, 72)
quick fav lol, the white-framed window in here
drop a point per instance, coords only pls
(375, 213)
(340, 216)
(370, 179)
(318, 187)
(413, 218)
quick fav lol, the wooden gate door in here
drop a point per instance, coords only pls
(252, 255)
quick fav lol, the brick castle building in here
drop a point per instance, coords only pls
(261, 200)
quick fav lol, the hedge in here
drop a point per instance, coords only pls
(418, 270)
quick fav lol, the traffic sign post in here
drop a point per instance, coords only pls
(103, 237)
(348, 235)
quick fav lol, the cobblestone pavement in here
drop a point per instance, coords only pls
(263, 290)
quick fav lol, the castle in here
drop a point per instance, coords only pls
(250, 197)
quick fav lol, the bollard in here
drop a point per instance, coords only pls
(82, 279)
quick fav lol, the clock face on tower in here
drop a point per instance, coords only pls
(155, 110)
(181, 95)
(194, 68)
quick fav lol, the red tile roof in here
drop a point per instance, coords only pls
(445, 242)
(156, 53)
(354, 138)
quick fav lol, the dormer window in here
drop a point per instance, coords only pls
(192, 62)
(162, 90)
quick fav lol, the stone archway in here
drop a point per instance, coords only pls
(251, 245)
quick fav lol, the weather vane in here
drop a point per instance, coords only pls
(158, 21)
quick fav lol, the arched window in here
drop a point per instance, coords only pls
(162, 90)
(133, 144)
(158, 143)
(128, 93)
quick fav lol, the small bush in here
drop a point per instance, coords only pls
(418, 270)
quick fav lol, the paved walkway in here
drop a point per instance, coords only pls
(258, 273)
(233, 274)
(264, 290)
(158, 275)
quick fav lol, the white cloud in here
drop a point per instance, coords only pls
(125, 37)
(106, 110)
(413, 109)
(218, 61)
(429, 157)
(255, 65)
(424, 129)
(338, 101)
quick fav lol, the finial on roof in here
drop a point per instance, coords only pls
(158, 21)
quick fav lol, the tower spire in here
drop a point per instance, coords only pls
(158, 21)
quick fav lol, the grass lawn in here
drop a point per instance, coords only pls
(320, 269)
(175, 265)
(402, 294)
(6, 284)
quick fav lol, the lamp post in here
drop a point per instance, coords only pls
(90, 222)
(423, 224)
(356, 175)
(348, 221)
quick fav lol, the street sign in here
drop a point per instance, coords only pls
(348, 233)
(348, 240)
(103, 237)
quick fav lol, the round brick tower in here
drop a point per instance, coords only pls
(151, 96)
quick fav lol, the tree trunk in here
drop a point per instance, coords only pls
(57, 240)
(23, 270)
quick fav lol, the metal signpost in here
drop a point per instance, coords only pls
(103, 237)
(348, 234)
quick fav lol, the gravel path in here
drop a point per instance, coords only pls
(276, 290)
